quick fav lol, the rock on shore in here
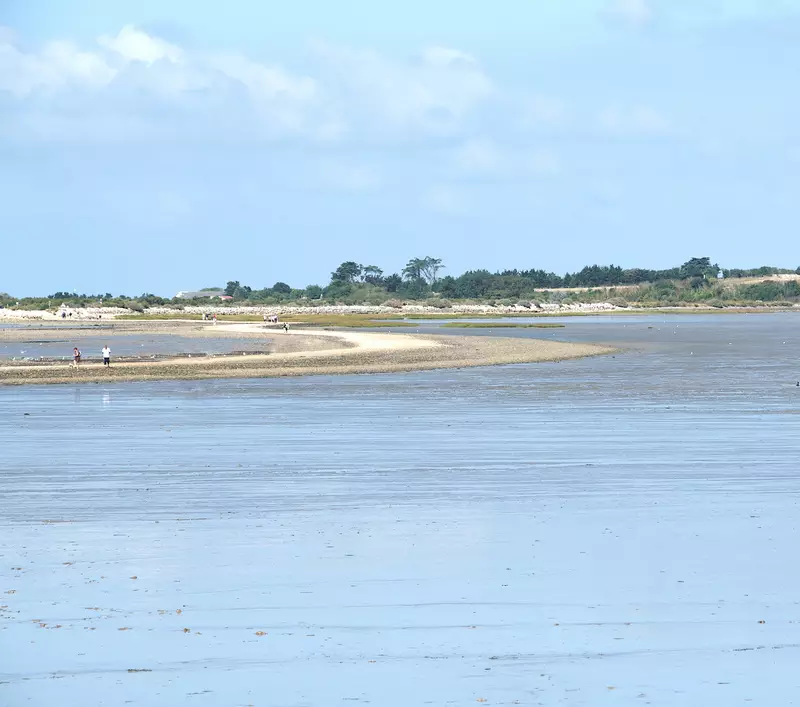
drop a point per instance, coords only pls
(95, 313)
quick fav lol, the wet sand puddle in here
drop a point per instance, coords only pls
(603, 531)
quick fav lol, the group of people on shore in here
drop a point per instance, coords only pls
(106, 352)
(76, 356)
(64, 314)
(274, 320)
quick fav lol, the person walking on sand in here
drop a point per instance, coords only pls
(106, 355)
(76, 356)
(215, 320)
(285, 328)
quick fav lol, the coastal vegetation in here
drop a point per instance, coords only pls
(697, 282)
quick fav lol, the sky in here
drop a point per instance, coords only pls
(155, 146)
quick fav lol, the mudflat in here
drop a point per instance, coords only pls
(606, 531)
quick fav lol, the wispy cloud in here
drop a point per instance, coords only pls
(433, 92)
(133, 44)
(485, 158)
(133, 75)
(634, 12)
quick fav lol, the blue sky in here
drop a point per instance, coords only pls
(158, 146)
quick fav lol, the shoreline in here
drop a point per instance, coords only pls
(313, 352)
(387, 316)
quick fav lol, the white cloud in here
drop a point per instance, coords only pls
(134, 45)
(445, 57)
(58, 66)
(130, 78)
(434, 93)
(125, 83)
(264, 82)
(634, 12)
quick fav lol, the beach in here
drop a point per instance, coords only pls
(604, 531)
(294, 353)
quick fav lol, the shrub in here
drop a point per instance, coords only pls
(438, 303)
(393, 303)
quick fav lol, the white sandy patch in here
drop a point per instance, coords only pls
(359, 341)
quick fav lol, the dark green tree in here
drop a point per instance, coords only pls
(372, 275)
(426, 269)
(698, 268)
(348, 271)
(392, 282)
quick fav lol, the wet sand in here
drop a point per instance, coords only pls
(299, 353)
(580, 534)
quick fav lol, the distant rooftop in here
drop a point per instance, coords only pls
(190, 294)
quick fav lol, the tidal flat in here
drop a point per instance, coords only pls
(616, 530)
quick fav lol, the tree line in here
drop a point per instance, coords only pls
(421, 279)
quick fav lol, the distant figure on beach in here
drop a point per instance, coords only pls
(76, 356)
(106, 355)
(215, 320)
(285, 327)
(265, 320)
(63, 315)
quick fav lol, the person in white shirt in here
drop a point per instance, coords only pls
(106, 355)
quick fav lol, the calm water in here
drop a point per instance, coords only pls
(124, 345)
(620, 530)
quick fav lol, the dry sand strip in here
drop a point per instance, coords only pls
(366, 353)
(356, 341)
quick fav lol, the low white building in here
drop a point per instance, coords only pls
(202, 294)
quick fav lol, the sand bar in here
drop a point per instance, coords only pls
(308, 352)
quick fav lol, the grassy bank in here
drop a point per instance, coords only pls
(407, 319)
(339, 320)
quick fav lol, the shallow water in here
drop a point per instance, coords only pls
(606, 531)
(124, 345)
